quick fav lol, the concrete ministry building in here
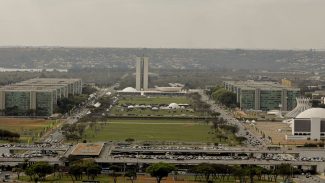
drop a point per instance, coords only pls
(37, 96)
(142, 73)
(265, 96)
(309, 124)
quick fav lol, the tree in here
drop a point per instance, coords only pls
(132, 175)
(225, 97)
(240, 173)
(75, 171)
(39, 170)
(285, 170)
(30, 173)
(205, 169)
(114, 169)
(18, 171)
(160, 170)
(93, 171)
(42, 169)
(251, 171)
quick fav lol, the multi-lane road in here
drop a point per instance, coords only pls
(252, 139)
(56, 135)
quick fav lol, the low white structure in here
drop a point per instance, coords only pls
(173, 106)
(129, 89)
(309, 124)
(169, 89)
(276, 113)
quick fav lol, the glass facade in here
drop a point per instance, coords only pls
(263, 96)
(44, 103)
(247, 99)
(17, 103)
(291, 99)
(270, 99)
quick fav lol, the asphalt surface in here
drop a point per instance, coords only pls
(56, 136)
(253, 140)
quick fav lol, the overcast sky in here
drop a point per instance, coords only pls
(265, 24)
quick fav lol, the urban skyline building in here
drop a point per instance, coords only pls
(142, 72)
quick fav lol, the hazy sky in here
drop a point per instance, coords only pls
(267, 24)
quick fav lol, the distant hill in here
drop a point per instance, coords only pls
(63, 58)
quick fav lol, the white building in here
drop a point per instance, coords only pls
(142, 73)
(309, 124)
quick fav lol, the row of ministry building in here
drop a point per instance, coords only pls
(265, 96)
(36, 97)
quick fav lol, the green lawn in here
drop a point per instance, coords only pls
(153, 100)
(154, 130)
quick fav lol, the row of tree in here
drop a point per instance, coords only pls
(214, 172)
(73, 131)
(203, 172)
(200, 106)
(223, 96)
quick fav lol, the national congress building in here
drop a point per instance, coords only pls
(36, 97)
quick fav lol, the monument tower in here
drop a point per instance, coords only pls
(142, 73)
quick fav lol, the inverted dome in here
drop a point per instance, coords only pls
(129, 89)
(312, 113)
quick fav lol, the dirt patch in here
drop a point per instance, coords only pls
(18, 122)
(276, 130)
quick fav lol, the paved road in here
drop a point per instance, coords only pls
(189, 162)
(302, 153)
(231, 120)
(56, 136)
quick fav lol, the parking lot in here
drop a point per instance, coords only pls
(31, 151)
(207, 153)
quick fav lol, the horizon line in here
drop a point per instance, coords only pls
(188, 48)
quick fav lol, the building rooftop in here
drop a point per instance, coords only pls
(263, 85)
(49, 81)
(28, 88)
(87, 149)
(44, 84)
(312, 113)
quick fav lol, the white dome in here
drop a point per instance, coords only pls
(129, 89)
(173, 106)
(312, 113)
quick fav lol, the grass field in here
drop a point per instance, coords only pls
(29, 129)
(154, 130)
(153, 100)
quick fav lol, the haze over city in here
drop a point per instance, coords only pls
(162, 91)
(247, 24)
